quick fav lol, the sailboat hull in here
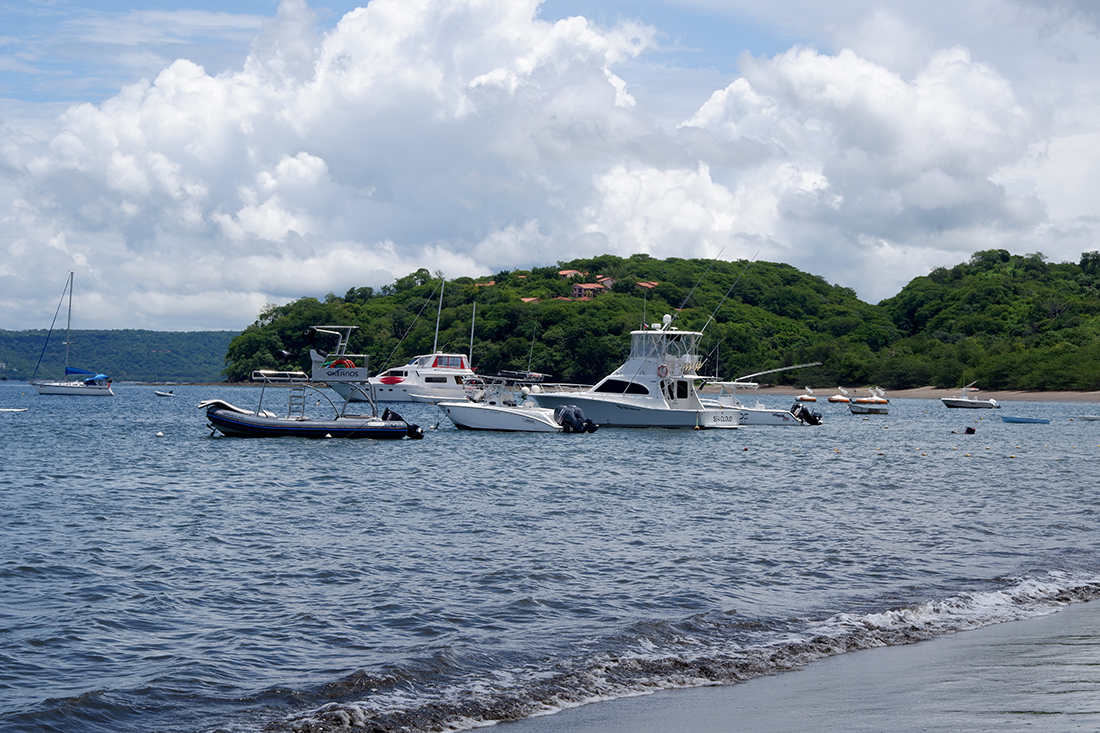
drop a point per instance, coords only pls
(74, 388)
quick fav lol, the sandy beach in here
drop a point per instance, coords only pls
(1041, 674)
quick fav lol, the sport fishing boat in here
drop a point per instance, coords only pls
(506, 404)
(964, 399)
(328, 370)
(654, 388)
(82, 381)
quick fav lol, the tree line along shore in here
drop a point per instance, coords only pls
(1008, 322)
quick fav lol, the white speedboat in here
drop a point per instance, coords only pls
(727, 404)
(79, 382)
(506, 405)
(964, 400)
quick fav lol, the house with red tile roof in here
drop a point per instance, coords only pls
(587, 290)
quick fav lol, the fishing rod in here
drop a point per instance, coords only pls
(693, 289)
(727, 295)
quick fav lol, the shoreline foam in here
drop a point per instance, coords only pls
(1039, 673)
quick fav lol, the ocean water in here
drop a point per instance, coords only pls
(195, 583)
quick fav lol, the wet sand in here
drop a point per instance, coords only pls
(1042, 674)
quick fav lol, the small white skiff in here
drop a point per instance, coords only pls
(964, 400)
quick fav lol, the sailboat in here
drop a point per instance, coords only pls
(77, 381)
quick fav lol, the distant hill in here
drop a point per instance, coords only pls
(129, 355)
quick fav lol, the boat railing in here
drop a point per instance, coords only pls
(298, 383)
(727, 393)
(555, 387)
(687, 365)
(271, 375)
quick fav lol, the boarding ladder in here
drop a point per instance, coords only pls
(297, 407)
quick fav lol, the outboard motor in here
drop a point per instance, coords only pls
(563, 415)
(412, 431)
(807, 416)
(572, 420)
(583, 424)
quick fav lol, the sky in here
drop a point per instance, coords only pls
(192, 161)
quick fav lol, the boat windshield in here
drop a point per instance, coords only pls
(658, 344)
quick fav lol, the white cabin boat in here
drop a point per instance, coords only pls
(964, 400)
(654, 388)
(426, 378)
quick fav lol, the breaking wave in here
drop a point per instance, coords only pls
(707, 649)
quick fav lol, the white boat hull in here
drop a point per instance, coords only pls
(74, 388)
(404, 392)
(733, 417)
(478, 416)
(969, 403)
(868, 408)
(613, 411)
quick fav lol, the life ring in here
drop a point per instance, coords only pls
(346, 363)
(662, 371)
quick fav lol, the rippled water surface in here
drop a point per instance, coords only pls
(198, 583)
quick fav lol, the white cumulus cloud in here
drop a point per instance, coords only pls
(472, 135)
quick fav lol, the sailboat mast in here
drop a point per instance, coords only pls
(435, 343)
(69, 324)
(473, 317)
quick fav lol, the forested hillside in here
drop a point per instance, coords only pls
(142, 356)
(775, 315)
(1008, 321)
